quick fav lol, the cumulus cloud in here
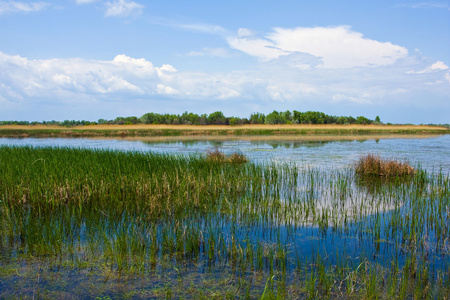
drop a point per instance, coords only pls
(257, 47)
(436, 67)
(165, 90)
(337, 47)
(35, 78)
(286, 82)
(123, 8)
(64, 78)
(16, 6)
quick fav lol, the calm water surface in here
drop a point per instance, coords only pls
(433, 154)
(355, 242)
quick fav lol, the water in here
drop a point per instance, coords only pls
(354, 243)
(431, 153)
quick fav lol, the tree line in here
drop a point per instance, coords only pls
(217, 118)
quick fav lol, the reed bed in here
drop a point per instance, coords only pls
(80, 223)
(220, 157)
(374, 165)
(143, 130)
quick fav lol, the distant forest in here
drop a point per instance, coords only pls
(216, 118)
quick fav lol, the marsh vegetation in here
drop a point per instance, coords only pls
(353, 131)
(374, 165)
(77, 223)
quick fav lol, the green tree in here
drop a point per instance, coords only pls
(362, 120)
(216, 118)
(257, 118)
(342, 120)
(274, 118)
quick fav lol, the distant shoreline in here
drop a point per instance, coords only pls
(214, 130)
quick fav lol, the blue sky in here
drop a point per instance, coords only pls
(92, 59)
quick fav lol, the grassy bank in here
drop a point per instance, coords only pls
(84, 224)
(186, 130)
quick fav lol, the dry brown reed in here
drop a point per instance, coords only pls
(116, 127)
(374, 165)
(219, 157)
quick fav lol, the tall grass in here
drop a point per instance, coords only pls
(142, 225)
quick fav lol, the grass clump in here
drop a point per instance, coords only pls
(374, 165)
(220, 157)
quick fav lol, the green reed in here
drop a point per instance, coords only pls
(157, 225)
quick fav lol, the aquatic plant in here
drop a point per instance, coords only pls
(374, 165)
(110, 224)
(220, 157)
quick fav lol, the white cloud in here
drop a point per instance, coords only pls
(447, 76)
(129, 62)
(32, 78)
(244, 32)
(337, 47)
(436, 67)
(282, 84)
(203, 28)
(261, 48)
(123, 8)
(342, 98)
(165, 90)
(16, 6)
(64, 78)
(212, 52)
(85, 1)
(290, 91)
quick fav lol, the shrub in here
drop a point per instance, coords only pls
(373, 165)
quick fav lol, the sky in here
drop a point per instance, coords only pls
(92, 59)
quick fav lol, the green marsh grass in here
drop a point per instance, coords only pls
(97, 223)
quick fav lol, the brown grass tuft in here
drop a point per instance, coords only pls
(373, 165)
(220, 157)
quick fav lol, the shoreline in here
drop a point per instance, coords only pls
(140, 130)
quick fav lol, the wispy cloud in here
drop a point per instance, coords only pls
(85, 1)
(425, 5)
(203, 28)
(123, 8)
(16, 6)
(211, 52)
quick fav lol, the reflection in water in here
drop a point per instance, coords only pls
(323, 211)
(431, 153)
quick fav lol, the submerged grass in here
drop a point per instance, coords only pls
(96, 223)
